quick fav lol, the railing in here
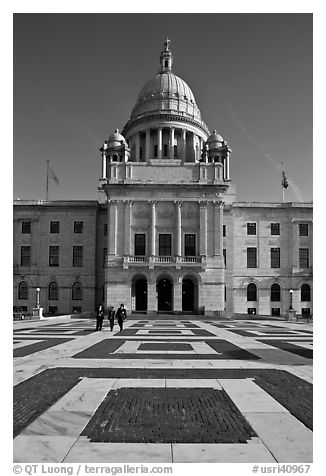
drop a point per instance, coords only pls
(133, 259)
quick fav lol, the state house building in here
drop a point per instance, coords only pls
(166, 233)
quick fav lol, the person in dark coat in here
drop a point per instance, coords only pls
(111, 315)
(121, 316)
(99, 317)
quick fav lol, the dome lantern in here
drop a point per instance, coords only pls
(166, 58)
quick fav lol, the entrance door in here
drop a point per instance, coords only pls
(164, 295)
(188, 295)
(141, 295)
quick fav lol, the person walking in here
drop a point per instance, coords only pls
(99, 317)
(111, 315)
(121, 316)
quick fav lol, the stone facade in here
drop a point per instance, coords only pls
(166, 233)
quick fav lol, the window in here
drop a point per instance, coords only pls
(190, 245)
(251, 228)
(140, 153)
(140, 244)
(166, 64)
(275, 292)
(105, 229)
(155, 151)
(53, 310)
(303, 229)
(76, 309)
(53, 255)
(165, 245)
(276, 311)
(53, 291)
(165, 150)
(78, 226)
(77, 291)
(251, 257)
(275, 228)
(224, 230)
(275, 258)
(26, 227)
(23, 290)
(251, 292)
(251, 310)
(303, 258)
(305, 312)
(305, 293)
(224, 256)
(25, 256)
(105, 252)
(77, 259)
(54, 227)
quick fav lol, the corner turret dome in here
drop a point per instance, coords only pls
(116, 139)
(215, 138)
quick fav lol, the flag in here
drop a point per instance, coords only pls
(285, 182)
(53, 176)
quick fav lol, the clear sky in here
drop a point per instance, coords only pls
(77, 77)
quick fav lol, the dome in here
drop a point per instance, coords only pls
(214, 137)
(115, 139)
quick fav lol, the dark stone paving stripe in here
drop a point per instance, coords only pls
(35, 395)
(289, 347)
(168, 415)
(38, 346)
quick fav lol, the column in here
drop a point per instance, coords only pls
(103, 164)
(200, 148)
(203, 228)
(171, 151)
(227, 165)
(153, 227)
(137, 146)
(148, 144)
(179, 230)
(194, 146)
(184, 145)
(218, 227)
(159, 143)
(127, 231)
(112, 227)
(295, 245)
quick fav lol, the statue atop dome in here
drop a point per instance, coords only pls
(167, 44)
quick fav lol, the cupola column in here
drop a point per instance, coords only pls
(103, 164)
(148, 144)
(159, 143)
(171, 154)
(194, 146)
(227, 165)
(137, 145)
(184, 145)
(128, 225)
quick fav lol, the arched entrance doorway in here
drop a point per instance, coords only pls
(188, 295)
(164, 295)
(141, 295)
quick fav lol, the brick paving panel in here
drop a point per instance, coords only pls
(165, 332)
(166, 346)
(230, 351)
(168, 415)
(21, 330)
(101, 350)
(202, 333)
(128, 332)
(35, 395)
(106, 348)
(288, 347)
(38, 346)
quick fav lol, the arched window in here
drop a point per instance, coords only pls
(23, 290)
(166, 63)
(305, 293)
(275, 292)
(77, 291)
(251, 292)
(53, 291)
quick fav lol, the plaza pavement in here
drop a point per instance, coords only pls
(172, 389)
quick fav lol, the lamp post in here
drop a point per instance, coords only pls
(38, 297)
(291, 300)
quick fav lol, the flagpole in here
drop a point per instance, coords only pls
(282, 183)
(47, 181)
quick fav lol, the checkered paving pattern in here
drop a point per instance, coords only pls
(162, 382)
